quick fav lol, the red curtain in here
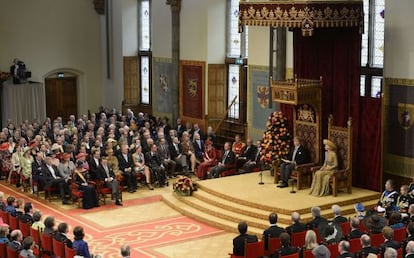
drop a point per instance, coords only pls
(334, 54)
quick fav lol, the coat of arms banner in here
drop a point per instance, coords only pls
(192, 85)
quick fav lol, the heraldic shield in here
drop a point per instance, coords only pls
(405, 113)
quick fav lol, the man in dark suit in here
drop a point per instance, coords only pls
(296, 225)
(37, 166)
(107, 175)
(388, 233)
(410, 231)
(16, 238)
(27, 217)
(179, 128)
(126, 165)
(249, 154)
(317, 218)
(355, 232)
(165, 155)
(343, 248)
(366, 246)
(409, 250)
(238, 242)
(273, 230)
(297, 156)
(61, 234)
(198, 144)
(286, 249)
(338, 218)
(176, 151)
(153, 160)
(226, 161)
(255, 162)
(94, 164)
(49, 176)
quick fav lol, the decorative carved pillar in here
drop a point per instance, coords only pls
(175, 39)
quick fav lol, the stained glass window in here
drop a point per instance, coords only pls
(233, 90)
(145, 80)
(144, 19)
(376, 87)
(234, 38)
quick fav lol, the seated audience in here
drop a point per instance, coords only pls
(404, 200)
(388, 234)
(107, 175)
(27, 248)
(317, 218)
(375, 223)
(165, 155)
(50, 224)
(395, 221)
(27, 217)
(227, 160)
(410, 213)
(360, 211)
(273, 230)
(410, 232)
(140, 167)
(4, 232)
(126, 165)
(37, 223)
(2, 204)
(177, 154)
(237, 146)
(238, 242)
(298, 155)
(388, 199)
(61, 234)
(320, 182)
(366, 246)
(188, 150)
(248, 154)
(321, 251)
(79, 244)
(296, 226)
(390, 253)
(255, 163)
(338, 218)
(199, 147)
(50, 178)
(286, 248)
(311, 241)
(81, 178)
(16, 238)
(409, 249)
(11, 206)
(125, 251)
(208, 161)
(355, 232)
(153, 160)
(343, 249)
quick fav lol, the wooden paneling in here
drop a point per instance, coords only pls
(61, 97)
(217, 93)
(131, 80)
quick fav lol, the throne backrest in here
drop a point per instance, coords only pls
(342, 137)
(307, 127)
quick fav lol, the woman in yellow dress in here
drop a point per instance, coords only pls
(320, 182)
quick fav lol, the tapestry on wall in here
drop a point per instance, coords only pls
(398, 127)
(192, 85)
(162, 78)
(259, 85)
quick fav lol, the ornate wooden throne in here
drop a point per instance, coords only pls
(342, 137)
(305, 95)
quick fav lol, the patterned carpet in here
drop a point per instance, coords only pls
(144, 223)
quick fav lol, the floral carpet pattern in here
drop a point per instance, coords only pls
(106, 234)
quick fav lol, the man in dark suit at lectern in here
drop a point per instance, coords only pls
(298, 155)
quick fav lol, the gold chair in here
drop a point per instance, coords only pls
(342, 137)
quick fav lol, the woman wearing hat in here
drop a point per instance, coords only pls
(66, 166)
(209, 160)
(320, 182)
(26, 164)
(89, 197)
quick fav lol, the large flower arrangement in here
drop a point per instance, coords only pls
(183, 185)
(277, 139)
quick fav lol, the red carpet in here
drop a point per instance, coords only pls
(142, 237)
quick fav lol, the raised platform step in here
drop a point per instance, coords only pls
(174, 201)
(226, 201)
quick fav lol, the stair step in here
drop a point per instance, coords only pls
(230, 226)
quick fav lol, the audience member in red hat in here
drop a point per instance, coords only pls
(66, 166)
